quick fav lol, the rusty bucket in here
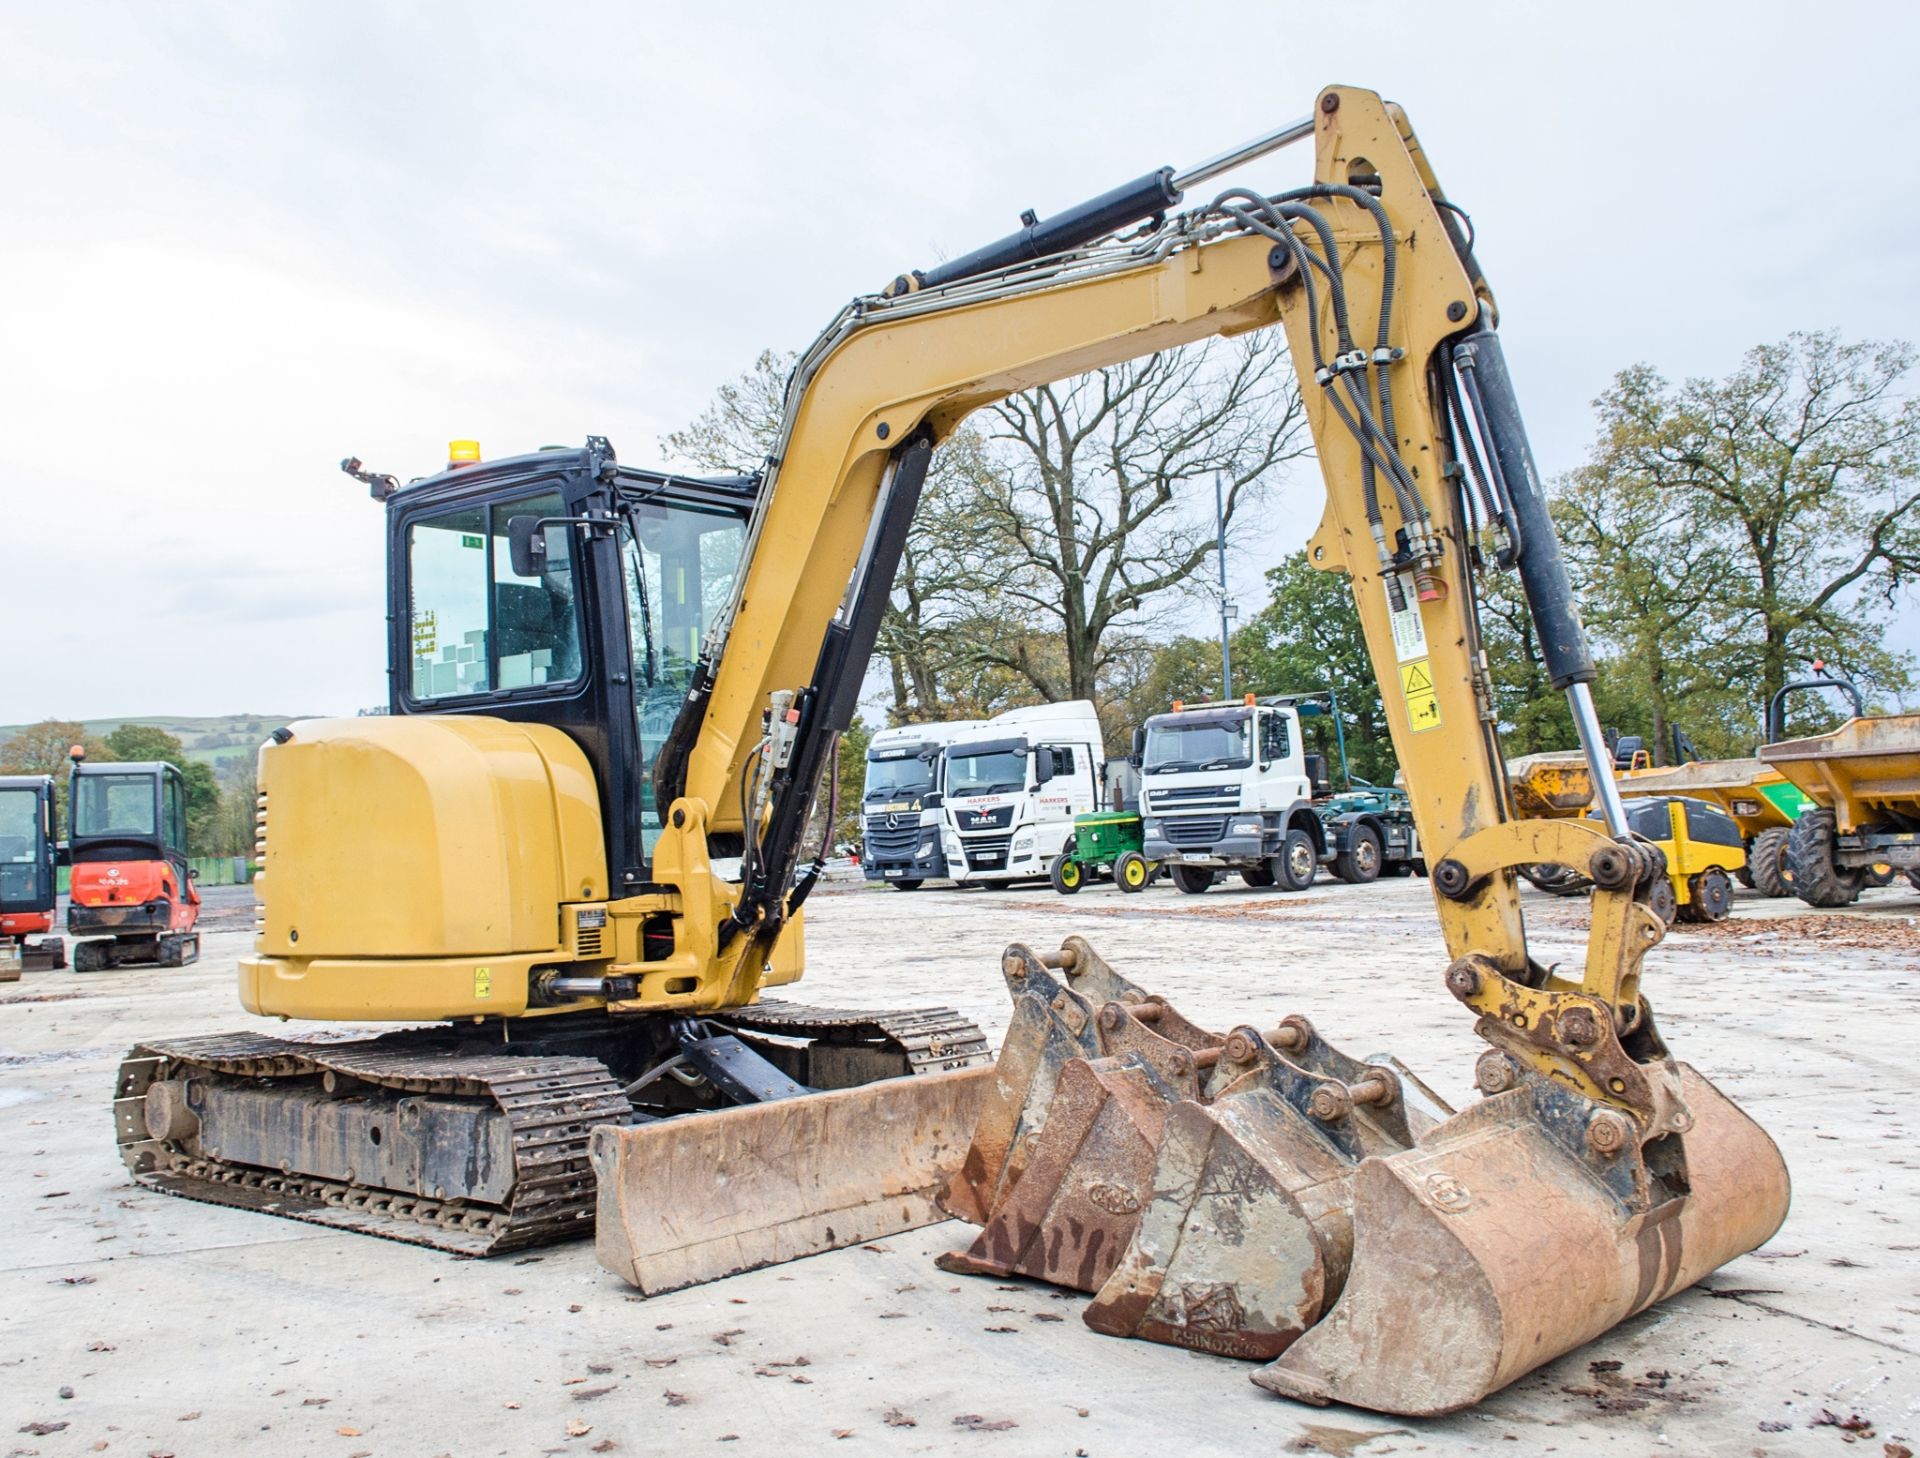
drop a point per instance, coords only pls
(1499, 1243)
(1247, 1236)
(1056, 1003)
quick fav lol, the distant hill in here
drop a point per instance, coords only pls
(219, 741)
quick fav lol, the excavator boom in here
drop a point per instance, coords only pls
(1259, 1193)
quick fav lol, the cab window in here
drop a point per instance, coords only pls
(477, 627)
(1062, 760)
(1275, 742)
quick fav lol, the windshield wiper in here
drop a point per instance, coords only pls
(1169, 766)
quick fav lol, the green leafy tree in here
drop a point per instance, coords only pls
(1802, 469)
(43, 749)
(149, 742)
(1308, 637)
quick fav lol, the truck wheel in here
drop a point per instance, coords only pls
(1359, 863)
(907, 885)
(1131, 872)
(89, 956)
(1817, 879)
(1298, 862)
(1709, 896)
(1765, 859)
(1662, 901)
(1067, 874)
(1258, 874)
(1193, 879)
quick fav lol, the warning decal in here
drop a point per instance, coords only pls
(1416, 686)
(482, 982)
(1409, 634)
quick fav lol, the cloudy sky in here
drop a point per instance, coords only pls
(243, 241)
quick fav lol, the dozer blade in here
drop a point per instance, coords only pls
(1055, 1001)
(1493, 1247)
(687, 1200)
(1249, 1230)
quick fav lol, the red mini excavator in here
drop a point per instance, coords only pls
(132, 897)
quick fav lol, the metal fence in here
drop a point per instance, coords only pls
(210, 870)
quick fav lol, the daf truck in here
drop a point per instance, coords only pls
(1229, 785)
(1014, 786)
(900, 806)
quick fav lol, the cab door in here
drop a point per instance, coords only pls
(173, 834)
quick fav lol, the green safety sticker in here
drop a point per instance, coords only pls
(469, 540)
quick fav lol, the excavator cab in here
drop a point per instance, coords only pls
(132, 899)
(27, 869)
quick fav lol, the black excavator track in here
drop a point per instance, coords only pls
(484, 1147)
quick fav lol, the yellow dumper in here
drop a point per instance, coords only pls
(1863, 781)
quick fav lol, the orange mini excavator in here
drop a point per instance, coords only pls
(132, 896)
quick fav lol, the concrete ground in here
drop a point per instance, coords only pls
(133, 1323)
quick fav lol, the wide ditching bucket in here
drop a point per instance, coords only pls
(1263, 1195)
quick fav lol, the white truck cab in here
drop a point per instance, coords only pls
(1227, 785)
(1013, 786)
(900, 806)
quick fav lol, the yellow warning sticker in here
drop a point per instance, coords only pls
(483, 982)
(1416, 685)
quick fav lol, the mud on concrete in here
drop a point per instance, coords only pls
(136, 1324)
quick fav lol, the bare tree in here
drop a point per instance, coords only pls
(943, 591)
(1103, 503)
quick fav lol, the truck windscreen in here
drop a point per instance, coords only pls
(998, 771)
(1197, 744)
(892, 778)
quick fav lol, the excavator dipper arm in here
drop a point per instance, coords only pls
(1442, 1259)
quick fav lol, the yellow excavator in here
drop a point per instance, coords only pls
(575, 848)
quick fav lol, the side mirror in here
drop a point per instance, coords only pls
(526, 546)
(62, 853)
(1042, 765)
(932, 801)
(1139, 743)
(193, 873)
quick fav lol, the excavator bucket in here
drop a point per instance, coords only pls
(692, 1199)
(1249, 1230)
(1056, 999)
(1072, 1212)
(1491, 1248)
(1268, 1197)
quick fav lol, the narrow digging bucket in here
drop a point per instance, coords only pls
(1056, 1001)
(1248, 1232)
(1490, 1248)
(1090, 1176)
(696, 1198)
